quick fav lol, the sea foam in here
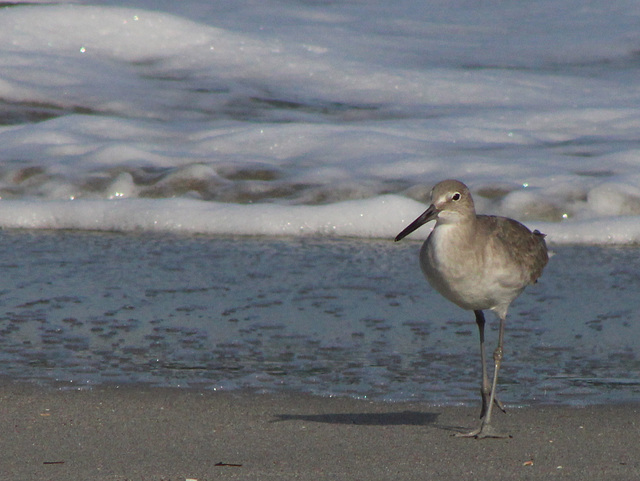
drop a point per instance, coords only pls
(290, 119)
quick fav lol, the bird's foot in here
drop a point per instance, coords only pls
(484, 431)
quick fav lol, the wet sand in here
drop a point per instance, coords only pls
(139, 433)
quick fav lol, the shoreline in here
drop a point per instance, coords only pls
(153, 434)
(88, 309)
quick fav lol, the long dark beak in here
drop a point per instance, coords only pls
(430, 214)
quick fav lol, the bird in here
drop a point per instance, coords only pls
(478, 262)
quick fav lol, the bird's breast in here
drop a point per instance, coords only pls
(459, 270)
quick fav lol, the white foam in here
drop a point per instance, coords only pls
(376, 217)
(318, 119)
(380, 217)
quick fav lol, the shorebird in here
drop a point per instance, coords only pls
(478, 262)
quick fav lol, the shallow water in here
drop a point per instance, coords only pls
(313, 119)
(331, 317)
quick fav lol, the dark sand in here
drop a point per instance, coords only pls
(138, 433)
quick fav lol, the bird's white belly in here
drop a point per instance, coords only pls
(466, 276)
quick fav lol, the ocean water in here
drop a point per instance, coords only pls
(204, 193)
(292, 117)
(324, 316)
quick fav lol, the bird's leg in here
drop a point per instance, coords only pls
(486, 430)
(487, 390)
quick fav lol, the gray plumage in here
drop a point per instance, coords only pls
(478, 262)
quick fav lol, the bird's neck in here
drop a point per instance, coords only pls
(461, 225)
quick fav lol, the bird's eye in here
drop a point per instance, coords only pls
(456, 196)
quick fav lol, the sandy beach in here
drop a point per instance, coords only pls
(139, 433)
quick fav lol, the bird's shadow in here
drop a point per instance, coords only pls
(407, 418)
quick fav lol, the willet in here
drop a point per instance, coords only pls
(478, 262)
